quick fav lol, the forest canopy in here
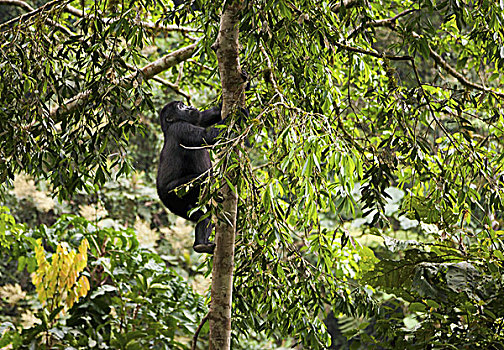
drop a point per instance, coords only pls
(369, 174)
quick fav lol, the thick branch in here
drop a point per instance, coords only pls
(172, 86)
(168, 61)
(167, 28)
(463, 80)
(146, 72)
(74, 11)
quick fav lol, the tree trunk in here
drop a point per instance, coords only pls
(233, 96)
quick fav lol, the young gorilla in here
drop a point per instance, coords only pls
(183, 158)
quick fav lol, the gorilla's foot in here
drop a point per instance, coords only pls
(204, 247)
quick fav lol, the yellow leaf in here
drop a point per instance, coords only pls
(84, 246)
(83, 286)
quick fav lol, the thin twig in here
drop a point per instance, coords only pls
(195, 338)
(180, 73)
(272, 72)
(372, 53)
(438, 122)
(174, 87)
(427, 99)
(387, 22)
(200, 64)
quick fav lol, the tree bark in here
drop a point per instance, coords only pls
(227, 49)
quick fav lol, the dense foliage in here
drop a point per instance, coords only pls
(371, 171)
(136, 302)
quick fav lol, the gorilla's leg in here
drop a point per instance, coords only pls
(181, 206)
(202, 235)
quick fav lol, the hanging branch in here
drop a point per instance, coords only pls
(390, 22)
(437, 58)
(271, 73)
(198, 330)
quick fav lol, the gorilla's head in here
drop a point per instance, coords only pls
(176, 110)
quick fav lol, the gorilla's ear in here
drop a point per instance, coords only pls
(168, 117)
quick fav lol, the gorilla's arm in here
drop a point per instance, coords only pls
(194, 136)
(210, 117)
(178, 111)
(195, 117)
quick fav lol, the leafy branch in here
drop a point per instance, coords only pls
(31, 12)
(147, 25)
(79, 13)
(147, 72)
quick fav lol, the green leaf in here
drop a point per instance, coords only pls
(417, 307)
(431, 303)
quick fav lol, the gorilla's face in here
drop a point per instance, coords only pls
(182, 107)
(183, 111)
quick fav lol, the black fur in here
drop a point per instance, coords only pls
(194, 6)
(183, 159)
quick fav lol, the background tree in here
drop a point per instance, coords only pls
(369, 203)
